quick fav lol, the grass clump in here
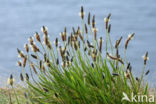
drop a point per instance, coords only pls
(80, 69)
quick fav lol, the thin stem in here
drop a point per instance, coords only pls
(15, 95)
(110, 43)
(142, 75)
(106, 42)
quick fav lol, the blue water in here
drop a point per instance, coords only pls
(19, 19)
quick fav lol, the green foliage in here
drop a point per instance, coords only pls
(89, 74)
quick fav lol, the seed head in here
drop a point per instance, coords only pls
(35, 48)
(94, 57)
(69, 40)
(115, 74)
(147, 72)
(56, 95)
(44, 30)
(72, 59)
(95, 32)
(56, 42)
(117, 53)
(86, 29)
(82, 13)
(24, 61)
(89, 44)
(47, 42)
(21, 77)
(92, 65)
(11, 80)
(79, 33)
(128, 39)
(33, 56)
(109, 28)
(93, 21)
(65, 34)
(42, 66)
(37, 36)
(31, 40)
(100, 46)
(89, 18)
(27, 76)
(46, 90)
(106, 20)
(33, 67)
(48, 62)
(137, 78)
(85, 49)
(127, 74)
(118, 42)
(19, 63)
(26, 48)
(20, 53)
(145, 57)
(57, 61)
(115, 58)
(25, 95)
(75, 45)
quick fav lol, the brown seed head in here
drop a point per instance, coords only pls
(44, 30)
(19, 63)
(93, 56)
(56, 42)
(107, 20)
(48, 62)
(128, 39)
(57, 61)
(26, 48)
(11, 80)
(35, 48)
(137, 78)
(27, 76)
(147, 72)
(93, 21)
(82, 13)
(86, 29)
(65, 34)
(127, 74)
(24, 61)
(21, 77)
(79, 33)
(37, 36)
(46, 90)
(25, 95)
(100, 46)
(89, 45)
(115, 58)
(89, 18)
(33, 56)
(95, 32)
(20, 53)
(69, 40)
(33, 67)
(145, 58)
(109, 28)
(31, 40)
(118, 42)
(75, 45)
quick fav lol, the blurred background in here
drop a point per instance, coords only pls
(19, 19)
